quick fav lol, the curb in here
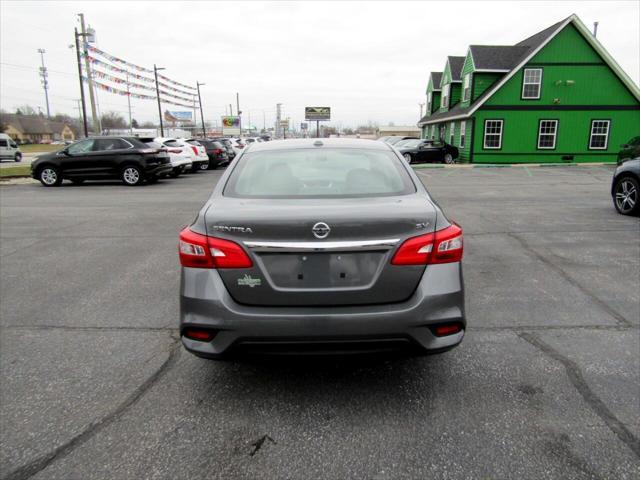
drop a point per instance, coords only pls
(514, 165)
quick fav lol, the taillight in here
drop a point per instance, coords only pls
(174, 150)
(199, 334)
(446, 329)
(443, 246)
(200, 251)
(195, 150)
(217, 151)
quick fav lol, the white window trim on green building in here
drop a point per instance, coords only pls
(452, 132)
(531, 77)
(498, 134)
(596, 132)
(444, 102)
(463, 131)
(466, 87)
(547, 129)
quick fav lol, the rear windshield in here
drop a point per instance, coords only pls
(408, 143)
(314, 173)
(194, 142)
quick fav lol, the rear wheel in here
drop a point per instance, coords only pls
(131, 176)
(625, 197)
(50, 177)
(448, 159)
(408, 157)
(18, 157)
(204, 166)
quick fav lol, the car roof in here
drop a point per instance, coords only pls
(326, 142)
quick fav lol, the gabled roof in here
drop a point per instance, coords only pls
(531, 46)
(496, 57)
(455, 65)
(436, 78)
(32, 124)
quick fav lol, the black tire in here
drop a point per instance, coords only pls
(448, 159)
(18, 157)
(50, 176)
(77, 181)
(626, 193)
(131, 175)
(204, 166)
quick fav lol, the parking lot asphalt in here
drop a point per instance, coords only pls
(94, 382)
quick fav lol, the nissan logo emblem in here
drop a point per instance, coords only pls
(321, 230)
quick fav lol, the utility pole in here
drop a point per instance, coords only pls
(87, 64)
(239, 112)
(204, 132)
(155, 73)
(129, 105)
(84, 104)
(45, 82)
(230, 110)
(595, 29)
(278, 113)
(421, 106)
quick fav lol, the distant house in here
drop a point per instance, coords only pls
(555, 96)
(404, 131)
(35, 129)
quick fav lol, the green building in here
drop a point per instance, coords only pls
(557, 96)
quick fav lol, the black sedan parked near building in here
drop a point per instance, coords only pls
(418, 151)
(102, 158)
(625, 187)
(216, 152)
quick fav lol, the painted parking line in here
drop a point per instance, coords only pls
(526, 169)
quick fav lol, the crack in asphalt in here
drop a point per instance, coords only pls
(577, 380)
(42, 462)
(257, 445)
(554, 266)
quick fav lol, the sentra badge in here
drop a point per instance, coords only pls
(249, 281)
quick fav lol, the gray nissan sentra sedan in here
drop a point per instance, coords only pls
(320, 246)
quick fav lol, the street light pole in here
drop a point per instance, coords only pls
(204, 132)
(45, 81)
(155, 73)
(84, 105)
(129, 105)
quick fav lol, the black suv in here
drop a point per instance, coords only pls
(216, 151)
(228, 145)
(102, 158)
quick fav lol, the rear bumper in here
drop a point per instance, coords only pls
(159, 170)
(205, 303)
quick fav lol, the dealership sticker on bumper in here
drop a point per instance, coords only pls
(249, 281)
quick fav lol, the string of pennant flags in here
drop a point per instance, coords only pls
(120, 81)
(114, 59)
(117, 91)
(97, 62)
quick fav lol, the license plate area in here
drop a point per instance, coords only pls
(322, 270)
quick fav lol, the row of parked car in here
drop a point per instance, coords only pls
(416, 150)
(134, 160)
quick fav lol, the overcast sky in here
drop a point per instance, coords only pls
(369, 61)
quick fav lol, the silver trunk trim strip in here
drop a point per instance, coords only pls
(345, 246)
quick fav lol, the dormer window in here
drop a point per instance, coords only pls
(466, 87)
(429, 101)
(445, 96)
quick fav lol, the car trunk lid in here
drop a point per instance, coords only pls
(349, 266)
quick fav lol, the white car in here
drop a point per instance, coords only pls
(9, 150)
(180, 159)
(200, 159)
(237, 145)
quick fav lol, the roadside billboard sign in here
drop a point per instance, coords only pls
(178, 116)
(231, 125)
(317, 113)
(284, 123)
